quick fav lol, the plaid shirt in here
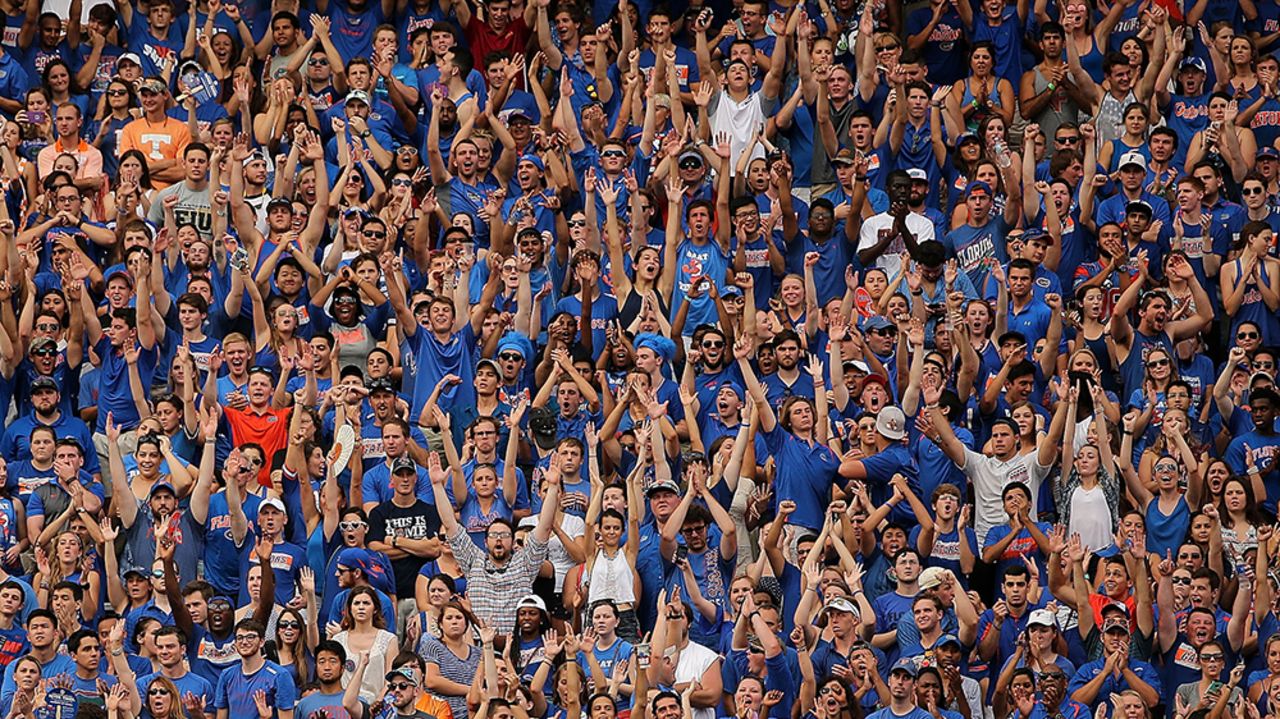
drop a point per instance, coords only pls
(494, 590)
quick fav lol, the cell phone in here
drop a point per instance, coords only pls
(37, 117)
(642, 655)
(682, 553)
(240, 258)
(1214, 687)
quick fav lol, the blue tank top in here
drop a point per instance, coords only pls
(1253, 309)
(1166, 531)
(1133, 369)
(1110, 382)
(1091, 62)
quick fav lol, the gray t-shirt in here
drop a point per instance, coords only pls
(193, 207)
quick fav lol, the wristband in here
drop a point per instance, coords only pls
(1052, 87)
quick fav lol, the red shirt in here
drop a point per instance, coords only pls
(483, 40)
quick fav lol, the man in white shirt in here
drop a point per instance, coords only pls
(886, 236)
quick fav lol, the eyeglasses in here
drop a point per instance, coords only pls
(399, 686)
(1250, 191)
(247, 637)
(351, 526)
(510, 357)
(1183, 581)
(1158, 363)
(157, 692)
(499, 535)
(1246, 335)
(318, 61)
(289, 624)
(577, 223)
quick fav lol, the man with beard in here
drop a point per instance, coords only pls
(534, 199)
(496, 574)
(171, 656)
(46, 411)
(711, 566)
(885, 236)
(1256, 453)
(1132, 344)
(902, 694)
(709, 365)
(790, 379)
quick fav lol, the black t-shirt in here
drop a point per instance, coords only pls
(420, 521)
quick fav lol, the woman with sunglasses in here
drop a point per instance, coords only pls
(1251, 283)
(291, 646)
(1157, 487)
(1158, 371)
(162, 701)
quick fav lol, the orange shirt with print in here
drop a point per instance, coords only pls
(156, 140)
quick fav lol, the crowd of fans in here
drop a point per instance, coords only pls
(426, 359)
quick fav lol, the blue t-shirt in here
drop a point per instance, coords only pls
(236, 689)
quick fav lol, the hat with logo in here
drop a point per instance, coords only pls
(891, 423)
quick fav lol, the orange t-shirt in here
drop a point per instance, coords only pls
(268, 429)
(157, 140)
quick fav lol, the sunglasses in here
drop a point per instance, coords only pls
(1212, 657)
(47, 328)
(1181, 580)
(1246, 335)
(345, 301)
(117, 93)
(1250, 191)
(375, 234)
(158, 692)
(887, 48)
(577, 223)
(690, 165)
(288, 625)
(351, 526)
(510, 357)
(406, 150)
(1074, 139)
(613, 153)
(399, 686)
(44, 352)
(318, 61)
(1264, 365)
(1158, 363)
(712, 344)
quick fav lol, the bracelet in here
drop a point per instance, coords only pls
(1052, 87)
(917, 293)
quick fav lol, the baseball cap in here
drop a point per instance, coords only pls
(153, 85)
(891, 423)
(166, 485)
(663, 485)
(275, 201)
(1193, 63)
(379, 384)
(946, 639)
(542, 425)
(359, 95)
(838, 604)
(119, 271)
(905, 665)
(843, 157)
(401, 464)
(406, 671)
(41, 342)
(531, 600)
(43, 382)
(129, 57)
(353, 558)
(1043, 618)
(486, 362)
(1116, 624)
(931, 577)
(1269, 152)
(1139, 206)
(918, 175)
(876, 322)
(136, 570)
(1132, 158)
(976, 186)
(691, 155)
(967, 137)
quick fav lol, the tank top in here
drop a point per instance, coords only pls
(1109, 120)
(611, 579)
(1091, 62)
(992, 99)
(1254, 309)
(1166, 531)
(1098, 346)
(1061, 109)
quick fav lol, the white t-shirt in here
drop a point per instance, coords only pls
(573, 526)
(989, 476)
(694, 660)
(891, 260)
(1091, 517)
